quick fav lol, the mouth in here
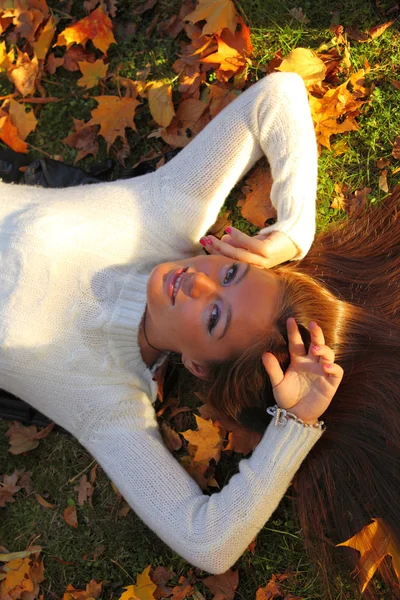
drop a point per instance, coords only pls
(174, 282)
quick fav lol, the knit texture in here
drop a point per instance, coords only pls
(74, 268)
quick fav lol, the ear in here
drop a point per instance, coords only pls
(196, 369)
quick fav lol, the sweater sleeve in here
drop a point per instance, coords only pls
(211, 532)
(270, 118)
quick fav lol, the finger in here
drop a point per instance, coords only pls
(215, 246)
(325, 354)
(335, 373)
(296, 345)
(316, 334)
(273, 368)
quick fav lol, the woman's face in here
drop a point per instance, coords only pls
(209, 307)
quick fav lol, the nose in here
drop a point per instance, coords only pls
(203, 286)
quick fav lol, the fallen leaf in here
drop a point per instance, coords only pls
(70, 516)
(223, 586)
(240, 39)
(23, 119)
(24, 73)
(143, 589)
(93, 591)
(375, 32)
(297, 13)
(23, 554)
(374, 542)
(23, 439)
(161, 576)
(44, 502)
(218, 14)
(171, 438)
(160, 102)
(256, 207)
(53, 63)
(218, 229)
(97, 27)
(84, 139)
(207, 440)
(8, 487)
(305, 63)
(148, 5)
(383, 162)
(85, 491)
(198, 472)
(395, 83)
(42, 44)
(21, 576)
(191, 117)
(92, 73)
(113, 115)
(272, 589)
(383, 184)
(230, 61)
(185, 588)
(396, 148)
(109, 6)
(75, 55)
(9, 134)
(243, 441)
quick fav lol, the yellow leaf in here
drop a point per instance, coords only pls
(129, 593)
(160, 102)
(374, 542)
(42, 45)
(207, 440)
(113, 115)
(6, 59)
(144, 588)
(218, 14)
(228, 58)
(305, 63)
(24, 121)
(92, 73)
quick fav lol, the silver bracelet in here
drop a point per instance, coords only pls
(281, 418)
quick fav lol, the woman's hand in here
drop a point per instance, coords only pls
(311, 380)
(263, 250)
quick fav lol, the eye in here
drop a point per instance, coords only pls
(213, 320)
(231, 273)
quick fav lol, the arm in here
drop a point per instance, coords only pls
(273, 118)
(209, 532)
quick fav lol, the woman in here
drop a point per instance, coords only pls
(99, 281)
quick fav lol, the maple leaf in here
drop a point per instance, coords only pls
(24, 73)
(191, 117)
(25, 121)
(9, 134)
(70, 516)
(256, 207)
(93, 590)
(92, 73)
(21, 576)
(26, 22)
(109, 6)
(207, 440)
(305, 63)
(230, 61)
(84, 139)
(240, 39)
(223, 586)
(23, 439)
(97, 27)
(161, 576)
(374, 542)
(113, 115)
(143, 589)
(42, 44)
(200, 472)
(218, 14)
(159, 95)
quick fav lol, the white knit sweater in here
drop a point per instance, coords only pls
(74, 267)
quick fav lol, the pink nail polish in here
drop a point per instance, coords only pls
(202, 241)
(316, 348)
(209, 242)
(228, 230)
(328, 366)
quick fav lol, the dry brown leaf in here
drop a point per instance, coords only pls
(84, 139)
(24, 73)
(200, 472)
(396, 148)
(109, 6)
(383, 184)
(23, 439)
(297, 13)
(75, 55)
(256, 206)
(85, 491)
(44, 502)
(272, 589)
(97, 27)
(305, 63)
(53, 63)
(218, 14)
(185, 588)
(375, 32)
(147, 5)
(70, 516)
(159, 95)
(383, 162)
(92, 73)
(114, 114)
(223, 586)
(124, 510)
(374, 542)
(191, 117)
(161, 576)
(394, 83)
(221, 224)
(8, 487)
(207, 440)
(171, 438)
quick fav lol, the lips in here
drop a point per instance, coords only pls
(171, 282)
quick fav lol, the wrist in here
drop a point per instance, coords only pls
(281, 417)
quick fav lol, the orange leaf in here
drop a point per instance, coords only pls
(44, 502)
(229, 59)
(223, 586)
(218, 14)
(93, 590)
(375, 32)
(207, 439)
(23, 439)
(257, 207)
(96, 27)
(374, 542)
(9, 135)
(113, 114)
(240, 40)
(92, 73)
(160, 103)
(70, 516)
(190, 118)
(305, 63)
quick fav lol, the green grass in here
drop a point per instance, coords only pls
(129, 546)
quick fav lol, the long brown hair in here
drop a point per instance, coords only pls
(350, 284)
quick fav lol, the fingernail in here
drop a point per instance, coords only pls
(209, 242)
(328, 366)
(316, 348)
(228, 230)
(202, 241)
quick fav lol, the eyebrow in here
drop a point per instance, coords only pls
(229, 308)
